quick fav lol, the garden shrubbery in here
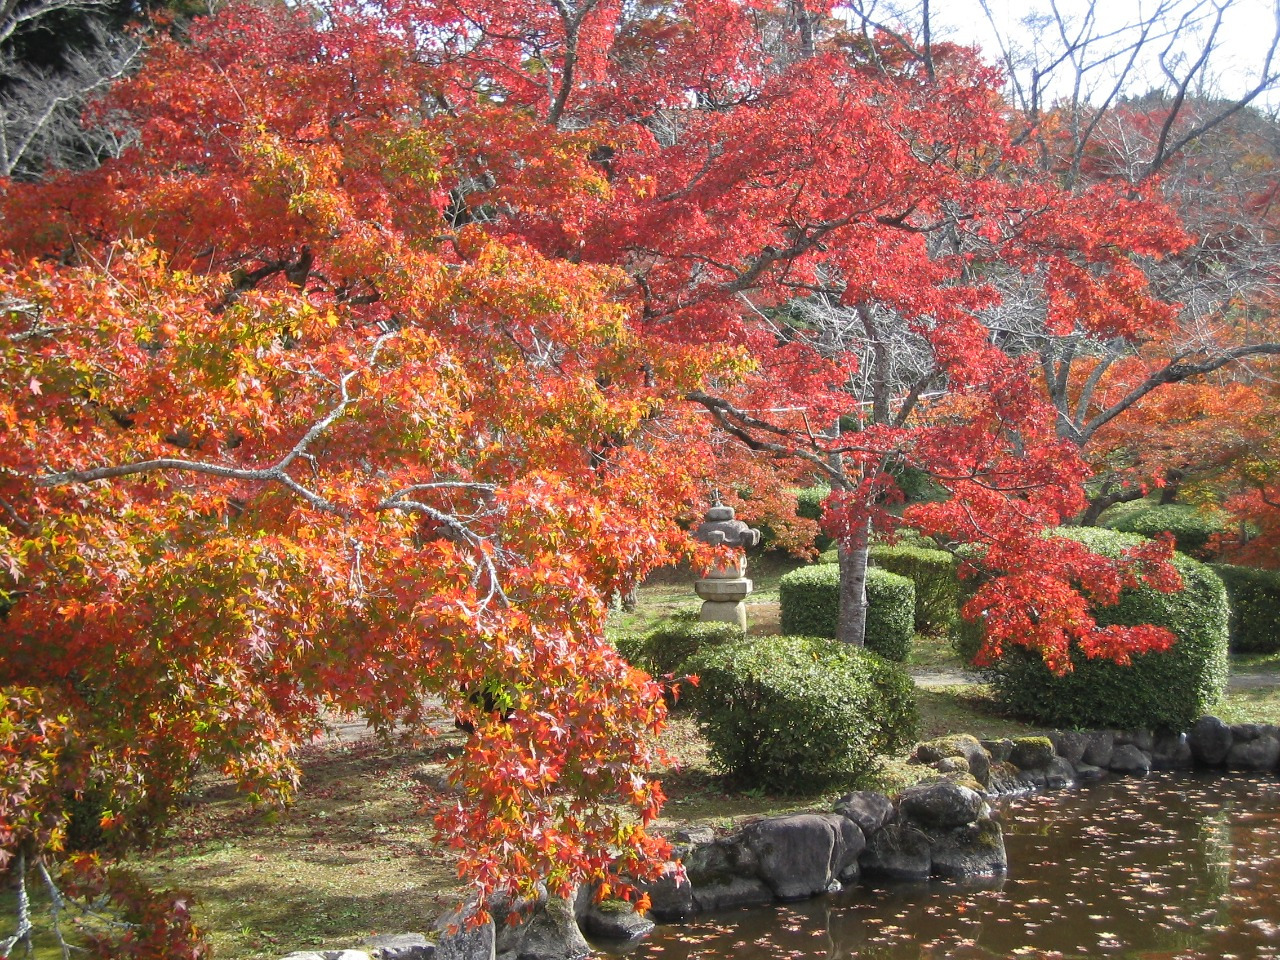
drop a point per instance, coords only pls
(800, 714)
(1190, 526)
(809, 599)
(934, 574)
(1254, 596)
(665, 649)
(809, 501)
(1167, 691)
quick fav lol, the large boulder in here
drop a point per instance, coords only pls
(975, 850)
(1210, 739)
(1171, 751)
(804, 854)
(1031, 753)
(400, 946)
(898, 852)
(614, 920)
(1005, 779)
(671, 897)
(724, 874)
(457, 939)
(720, 861)
(977, 760)
(1246, 731)
(1070, 745)
(1060, 774)
(1144, 740)
(1097, 752)
(730, 893)
(551, 933)
(1130, 759)
(998, 750)
(1260, 754)
(869, 810)
(942, 805)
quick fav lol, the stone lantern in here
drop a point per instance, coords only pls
(725, 587)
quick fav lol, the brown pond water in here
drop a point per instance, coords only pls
(1170, 866)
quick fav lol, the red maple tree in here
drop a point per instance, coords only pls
(388, 354)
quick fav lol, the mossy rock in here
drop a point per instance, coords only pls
(1032, 753)
(958, 745)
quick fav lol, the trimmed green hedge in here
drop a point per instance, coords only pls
(934, 574)
(800, 714)
(1190, 526)
(629, 643)
(809, 501)
(917, 486)
(1166, 691)
(667, 647)
(809, 598)
(1254, 596)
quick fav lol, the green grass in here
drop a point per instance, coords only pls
(966, 709)
(1253, 705)
(930, 652)
(352, 857)
(1255, 662)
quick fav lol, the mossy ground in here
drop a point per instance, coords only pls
(354, 856)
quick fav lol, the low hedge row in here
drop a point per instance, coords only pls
(809, 501)
(1168, 690)
(800, 714)
(1254, 596)
(1190, 526)
(809, 599)
(666, 649)
(934, 574)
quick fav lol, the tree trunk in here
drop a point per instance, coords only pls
(1109, 497)
(851, 627)
(1173, 478)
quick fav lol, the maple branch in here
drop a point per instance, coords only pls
(1266, 80)
(1175, 371)
(572, 20)
(13, 515)
(276, 473)
(737, 422)
(721, 410)
(459, 529)
(810, 237)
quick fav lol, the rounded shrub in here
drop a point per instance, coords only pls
(1254, 597)
(669, 646)
(800, 714)
(1165, 691)
(916, 485)
(629, 643)
(664, 649)
(1191, 527)
(809, 501)
(809, 599)
(891, 605)
(934, 574)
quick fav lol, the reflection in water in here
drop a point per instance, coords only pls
(1171, 866)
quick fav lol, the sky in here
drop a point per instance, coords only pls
(1247, 30)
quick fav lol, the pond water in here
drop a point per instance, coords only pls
(1170, 866)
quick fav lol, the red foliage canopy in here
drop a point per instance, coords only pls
(361, 378)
